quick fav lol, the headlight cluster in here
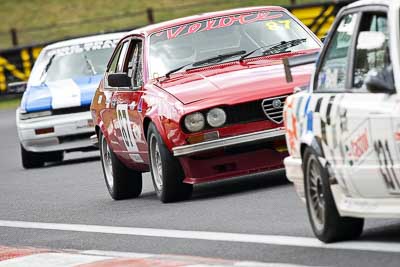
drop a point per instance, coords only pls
(31, 115)
(196, 121)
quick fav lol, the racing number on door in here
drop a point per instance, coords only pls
(126, 129)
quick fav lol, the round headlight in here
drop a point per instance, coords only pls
(216, 117)
(195, 122)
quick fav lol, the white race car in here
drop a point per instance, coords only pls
(343, 132)
(54, 114)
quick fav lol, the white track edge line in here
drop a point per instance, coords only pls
(280, 240)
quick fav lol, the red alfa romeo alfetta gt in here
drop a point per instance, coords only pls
(198, 99)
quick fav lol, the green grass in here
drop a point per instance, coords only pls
(29, 15)
(9, 102)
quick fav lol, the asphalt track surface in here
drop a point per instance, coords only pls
(260, 207)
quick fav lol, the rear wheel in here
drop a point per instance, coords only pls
(31, 159)
(328, 226)
(166, 170)
(122, 182)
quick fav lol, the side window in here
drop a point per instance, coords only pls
(121, 59)
(366, 60)
(332, 73)
(135, 64)
(114, 62)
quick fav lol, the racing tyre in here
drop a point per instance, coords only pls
(122, 182)
(328, 226)
(31, 159)
(166, 171)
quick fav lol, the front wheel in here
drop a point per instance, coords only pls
(122, 182)
(166, 171)
(327, 224)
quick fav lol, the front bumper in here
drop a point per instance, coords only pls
(188, 150)
(71, 132)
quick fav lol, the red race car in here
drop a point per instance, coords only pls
(198, 99)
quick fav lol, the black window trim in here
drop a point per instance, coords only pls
(115, 52)
(119, 46)
(141, 40)
(131, 40)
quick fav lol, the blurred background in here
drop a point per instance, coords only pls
(28, 25)
(37, 21)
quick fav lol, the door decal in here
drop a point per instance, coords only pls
(386, 166)
(126, 128)
(357, 145)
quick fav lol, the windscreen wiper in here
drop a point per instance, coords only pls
(219, 58)
(46, 68)
(275, 48)
(214, 59)
(90, 64)
(282, 46)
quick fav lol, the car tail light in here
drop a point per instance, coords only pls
(44, 130)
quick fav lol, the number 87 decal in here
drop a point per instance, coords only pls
(126, 129)
(274, 25)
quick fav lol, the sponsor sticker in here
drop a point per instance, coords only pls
(79, 48)
(223, 22)
(358, 144)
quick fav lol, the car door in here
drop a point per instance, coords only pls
(113, 127)
(368, 139)
(329, 88)
(128, 107)
(108, 113)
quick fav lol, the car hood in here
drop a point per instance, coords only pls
(60, 94)
(234, 82)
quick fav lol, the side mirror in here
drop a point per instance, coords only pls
(17, 87)
(380, 82)
(119, 80)
(371, 41)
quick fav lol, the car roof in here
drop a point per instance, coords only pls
(148, 30)
(368, 2)
(88, 39)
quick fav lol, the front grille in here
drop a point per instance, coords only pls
(251, 112)
(61, 111)
(245, 112)
(273, 108)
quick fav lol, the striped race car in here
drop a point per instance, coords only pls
(54, 114)
(343, 133)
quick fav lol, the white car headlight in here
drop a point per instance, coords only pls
(194, 122)
(216, 117)
(31, 115)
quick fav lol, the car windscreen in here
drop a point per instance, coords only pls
(76, 61)
(201, 40)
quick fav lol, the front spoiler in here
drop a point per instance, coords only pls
(187, 150)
